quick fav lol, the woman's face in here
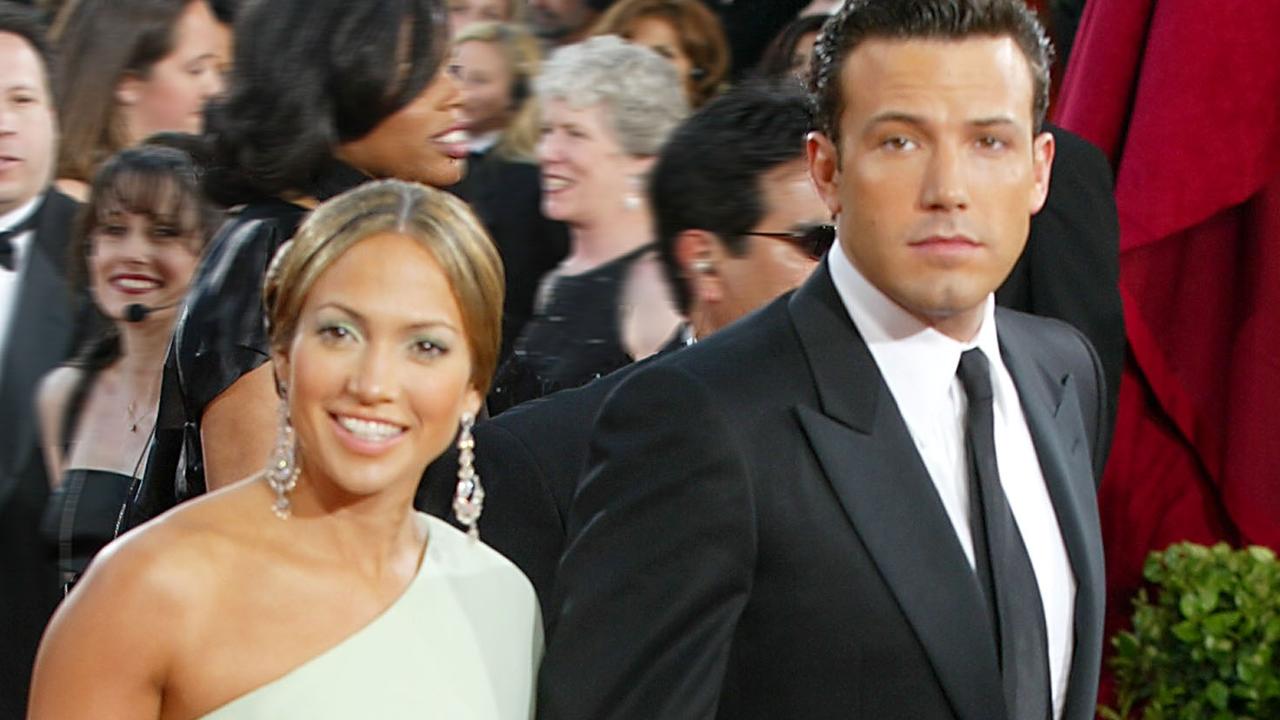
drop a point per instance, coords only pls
(422, 141)
(660, 36)
(465, 12)
(586, 175)
(486, 80)
(378, 373)
(173, 94)
(139, 259)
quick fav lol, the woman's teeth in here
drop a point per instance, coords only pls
(370, 430)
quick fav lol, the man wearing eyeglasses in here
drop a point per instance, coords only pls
(740, 224)
(739, 220)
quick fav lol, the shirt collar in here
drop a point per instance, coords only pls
(908, 352)
(13, 218)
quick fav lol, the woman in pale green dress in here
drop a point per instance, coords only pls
(314, 590)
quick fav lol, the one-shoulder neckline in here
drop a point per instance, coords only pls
(427, 556)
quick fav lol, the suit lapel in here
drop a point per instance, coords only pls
(1052, 409)
(867, 454)
(38, 336)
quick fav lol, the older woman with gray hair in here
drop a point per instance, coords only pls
(607, 108)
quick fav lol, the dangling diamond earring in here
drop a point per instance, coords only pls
(282, 473)
(468, 498)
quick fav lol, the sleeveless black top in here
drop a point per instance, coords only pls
(573, 337)
(80, 516)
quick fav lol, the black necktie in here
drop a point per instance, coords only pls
(6, 249)
(1003, 566)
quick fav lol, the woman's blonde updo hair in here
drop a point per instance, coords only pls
(440, 222)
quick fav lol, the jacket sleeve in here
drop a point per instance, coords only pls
(659, 561)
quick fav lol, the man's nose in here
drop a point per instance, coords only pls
(945, 184)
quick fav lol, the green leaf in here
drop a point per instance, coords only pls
(1218, 693)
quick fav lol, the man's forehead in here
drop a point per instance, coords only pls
(20, 64)
(880, 69)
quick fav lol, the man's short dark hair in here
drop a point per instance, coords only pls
(860, 20)
(707, 176)
(27, 24)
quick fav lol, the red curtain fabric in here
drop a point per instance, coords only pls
(1184, 96)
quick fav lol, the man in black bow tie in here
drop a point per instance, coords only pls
(35, 335)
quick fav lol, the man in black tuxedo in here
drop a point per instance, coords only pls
(875, 497)
(734, 168)
(35, 335)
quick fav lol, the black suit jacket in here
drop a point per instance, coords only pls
(530, 459)
(1070, 269)
(41, 335)
(758, 538)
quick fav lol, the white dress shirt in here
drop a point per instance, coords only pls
(919, 365)
(11, 280)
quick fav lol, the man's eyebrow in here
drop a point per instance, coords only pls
(994, 120)
(895, 116)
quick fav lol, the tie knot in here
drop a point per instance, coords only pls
(6, 249)
(975, 375)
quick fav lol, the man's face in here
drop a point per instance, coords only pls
(26, 124)
(937, 172)
(560, 20)
(771, 266)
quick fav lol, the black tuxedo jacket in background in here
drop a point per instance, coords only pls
(758, 538)
(1070, 269)
(41, 334)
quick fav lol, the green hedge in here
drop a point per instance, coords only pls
(1206, 648)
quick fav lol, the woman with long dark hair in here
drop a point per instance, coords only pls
(136, 246)
(326, 94)
(130, 69)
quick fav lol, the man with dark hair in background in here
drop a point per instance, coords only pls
(564, 22)
(36, 321)
(739, 223)
(874, 497)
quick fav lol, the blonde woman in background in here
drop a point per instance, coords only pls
(496, 64)
(312, 589)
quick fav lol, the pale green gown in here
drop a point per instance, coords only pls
(463, 642)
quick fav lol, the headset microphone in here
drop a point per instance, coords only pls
(137, 312)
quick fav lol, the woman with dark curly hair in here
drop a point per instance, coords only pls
(326, 94)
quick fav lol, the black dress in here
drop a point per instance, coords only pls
(80, 518)
(507, 197)
(219, 337)
(573, 337)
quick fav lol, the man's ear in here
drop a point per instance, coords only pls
(1043, 148)
(698, 253)
(824, 168)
